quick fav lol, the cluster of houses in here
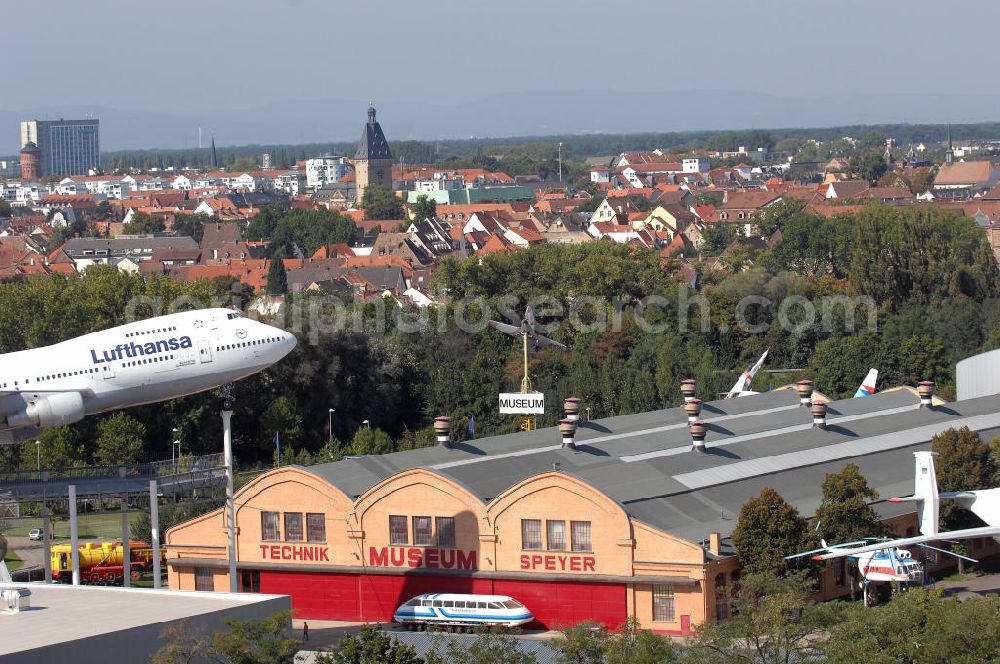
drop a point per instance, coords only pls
(650, 199)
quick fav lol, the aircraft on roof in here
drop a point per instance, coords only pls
(528, 328)
(868, 384)
(137, 363)
(742, 386)
(886, 560)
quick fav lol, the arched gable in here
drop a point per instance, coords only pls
(527, 519)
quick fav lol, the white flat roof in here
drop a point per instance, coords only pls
(61, 613)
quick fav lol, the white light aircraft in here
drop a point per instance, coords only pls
(137, 363)
(868, 384)
(742, 386)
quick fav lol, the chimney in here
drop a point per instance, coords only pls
(819, 414)
(688, 388)
(571, 406)
(693, 409)
(714, 543)
(442, 427)
(697, 429)
(805, 388)
(567, 428)
(926, 391)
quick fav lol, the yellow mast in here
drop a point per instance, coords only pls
(527, 421)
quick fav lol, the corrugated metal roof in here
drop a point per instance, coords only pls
(644, 461)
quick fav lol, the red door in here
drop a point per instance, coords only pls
(314, 595)
(556, 605)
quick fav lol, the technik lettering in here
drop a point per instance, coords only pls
(132, 349)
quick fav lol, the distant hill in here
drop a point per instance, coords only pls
(530, 114)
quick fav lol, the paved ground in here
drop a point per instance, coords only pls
(988, 584)
(327, 634)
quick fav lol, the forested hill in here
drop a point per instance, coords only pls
(928, 276)
(510, 153)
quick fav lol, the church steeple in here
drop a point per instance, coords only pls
(215, 156)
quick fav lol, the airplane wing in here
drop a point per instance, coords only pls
(743, 384)
(968, 533)
(545, 341)
(867, 385)
(506, 329)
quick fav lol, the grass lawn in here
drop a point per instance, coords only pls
(106, 525)
(13, 560)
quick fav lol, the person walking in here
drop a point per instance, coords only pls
(305, 631)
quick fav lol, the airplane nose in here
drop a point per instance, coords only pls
(291, 341)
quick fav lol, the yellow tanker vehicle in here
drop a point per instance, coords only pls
(102, 561)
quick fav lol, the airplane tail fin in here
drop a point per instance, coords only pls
(743, 384)
(868, 384)
(925, 492)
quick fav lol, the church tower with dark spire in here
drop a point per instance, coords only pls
(215, 155)
(373, 160)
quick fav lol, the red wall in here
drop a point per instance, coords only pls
(374, 598)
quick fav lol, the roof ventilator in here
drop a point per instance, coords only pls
(805, 388)
(925, 389)
(697, 429)
(567, 427)
(442, 427)
(818, 409)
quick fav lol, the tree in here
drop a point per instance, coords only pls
(120, 439)
(281, 417)
(58, 448)
(370, 441)
(768, 529)
(773, 621)
(380, 203)
(491, 646)
(918, 626)
(370, 646)
(718, 237)
(845, 512)
(104, 211)
(277, 277)
(592, 643)
(423, 208)
(192, 225)
(965, 462)
(144, 224)
(245, 642)
(5, 209)
(869, 167)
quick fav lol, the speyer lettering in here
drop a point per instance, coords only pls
(556, 563)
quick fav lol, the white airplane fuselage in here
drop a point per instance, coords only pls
(147, 361)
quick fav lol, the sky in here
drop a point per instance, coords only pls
(215, 55)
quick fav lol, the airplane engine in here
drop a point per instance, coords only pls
(51, 410)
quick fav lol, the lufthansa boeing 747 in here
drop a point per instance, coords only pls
(142, 362)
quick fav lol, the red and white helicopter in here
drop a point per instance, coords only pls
(882, 561)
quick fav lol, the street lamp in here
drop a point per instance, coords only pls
(331, 424)
(588, 413)
(38, 455)
(367, 424)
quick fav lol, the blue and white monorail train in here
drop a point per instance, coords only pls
(462, 610)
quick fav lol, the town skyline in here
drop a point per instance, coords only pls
(225, 68)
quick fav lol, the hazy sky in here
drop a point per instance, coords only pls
(221, 54)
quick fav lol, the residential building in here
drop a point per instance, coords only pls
(325, 170)
(66, 147)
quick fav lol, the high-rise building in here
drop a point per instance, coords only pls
(66, 147)
(373, 160)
